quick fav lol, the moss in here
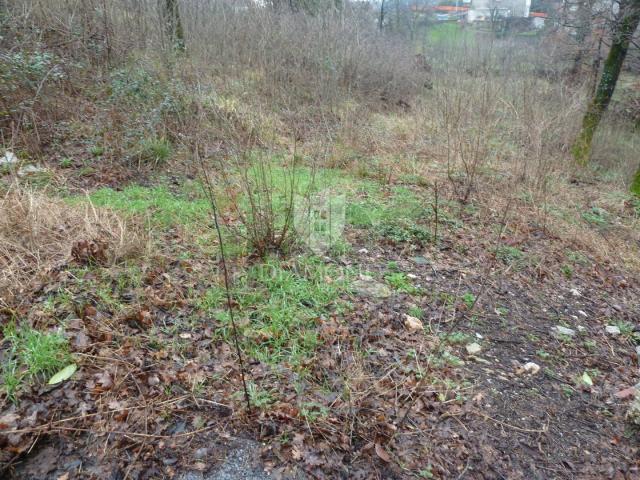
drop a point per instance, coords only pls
(611, 71)
(635, 184)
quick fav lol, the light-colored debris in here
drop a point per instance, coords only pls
(473, 348)
(575, 292)
(371, 288)
(413, 323)
(420, 260)
(612, 330)
(560, 330)
(633, 414)
(30, 170)
(9, 158)
(531, 367)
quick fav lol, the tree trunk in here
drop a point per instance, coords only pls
(623, 29)
(381, 20)
(172, 23)
(635, 184)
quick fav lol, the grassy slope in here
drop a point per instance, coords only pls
(331, 373)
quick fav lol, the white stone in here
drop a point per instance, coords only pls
(531, 367)
(413, 323)
(9, 158)
(575, 292)
(612, 330)
(560, 330)
(473, 348)
(29, 170)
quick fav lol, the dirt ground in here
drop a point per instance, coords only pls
(458, 399)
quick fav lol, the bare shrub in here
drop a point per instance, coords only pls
(38, 233)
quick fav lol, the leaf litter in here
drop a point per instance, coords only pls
(157, 382)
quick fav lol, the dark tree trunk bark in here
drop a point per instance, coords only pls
(624, 28)
(173, 23)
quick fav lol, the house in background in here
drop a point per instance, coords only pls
(488, 10)
(538, 19)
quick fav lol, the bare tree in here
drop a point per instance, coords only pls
(173, 25)
(623, 27)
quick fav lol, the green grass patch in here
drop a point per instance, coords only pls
(400, 282)
(32, 356)
(154, 150)
(280, 305)
(508, 254)
(597, 217)
(163, 207)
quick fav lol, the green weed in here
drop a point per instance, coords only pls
(415, 311)
(509, 254)
(33, 355)
(400, 282)
(567, 271)
(596, 216)
(154, 150)
(469, 299)
(97, 151)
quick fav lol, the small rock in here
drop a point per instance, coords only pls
(479, 335)
(411, 276)
(638, 352)
(9, 158)
(413, 323)
(481, 360)
(633, 414)
(363, 251)
(531, 367)
(583, 313)
(560, 330)
(473, 348)
(201, 453)
(420, 260)
(29, 170)
(575, 292)
(371, 288)
(617, 307)
(612, 330)
(581, 329)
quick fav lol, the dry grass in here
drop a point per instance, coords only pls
(38, 232)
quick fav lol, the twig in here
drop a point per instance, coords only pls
(508, 425)
(214, 210)
(134, 434)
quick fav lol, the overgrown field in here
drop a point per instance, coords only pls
(421, 282)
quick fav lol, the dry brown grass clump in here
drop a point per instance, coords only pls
(38, 233)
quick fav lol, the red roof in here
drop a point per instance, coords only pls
(450, 8)
(538, 14)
